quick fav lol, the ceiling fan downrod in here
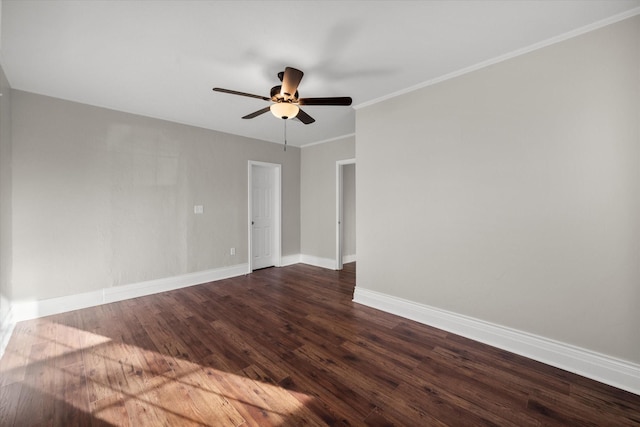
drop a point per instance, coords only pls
(285, 133)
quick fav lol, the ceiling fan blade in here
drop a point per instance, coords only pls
(235, 92)
(304, 117)
(257, 113)
(336, 100)
(290, 81)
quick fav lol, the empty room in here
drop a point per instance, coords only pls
(274, 213)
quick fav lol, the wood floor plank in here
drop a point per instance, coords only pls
(13, 364)
(447, 407)
(73, 388)
(209, 403)
(519, 381)
(377, 387)
(167, 343)
(246, 398)
(110, 411)
(609, 401)
(34, 404)
(281, 401)
(329, 389)
(279, 347)
(332, 408)
(9, 396)
(253, 352)
(523, 371)
(479, 390)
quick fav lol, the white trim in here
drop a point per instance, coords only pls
(553, 40)
(346, 259)
(26, 310)
(33, 309)
(119, 293)
(606, 369)
(336, 138)
(289, 260)
(327, 263)
(277, 232)
(339, 209)
(6, 329)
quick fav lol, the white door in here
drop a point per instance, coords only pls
(263, 216)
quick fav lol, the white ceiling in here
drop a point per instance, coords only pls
(162, 58)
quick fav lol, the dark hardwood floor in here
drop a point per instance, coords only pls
(282, 346)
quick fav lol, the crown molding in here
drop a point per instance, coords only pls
(551, 41)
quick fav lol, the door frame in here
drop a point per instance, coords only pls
(276, 169)
(339, 209)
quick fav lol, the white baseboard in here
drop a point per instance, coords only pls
(26, 310)
(346, 259)
(120, 293)
(606, 369)
(318, 262)
(289, 260)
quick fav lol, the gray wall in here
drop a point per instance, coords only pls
(318, 198)
(5, 201)
(103, 198)
(512, 194)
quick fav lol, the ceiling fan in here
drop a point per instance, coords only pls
(285, 98)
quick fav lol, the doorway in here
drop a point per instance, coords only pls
(345, 212)
(264, 219)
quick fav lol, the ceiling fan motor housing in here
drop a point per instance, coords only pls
(276, 96)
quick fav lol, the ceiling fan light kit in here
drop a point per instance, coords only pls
(284, 110)
(285, 98)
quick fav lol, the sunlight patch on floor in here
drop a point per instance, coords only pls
(122, 380)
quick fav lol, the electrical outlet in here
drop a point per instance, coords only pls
(198, 209)
(232, 251)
